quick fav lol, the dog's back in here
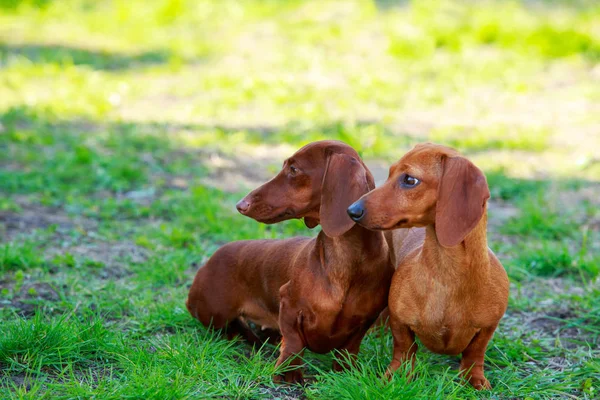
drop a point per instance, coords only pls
(243, 279)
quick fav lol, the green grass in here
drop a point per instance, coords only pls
(488, 138)
(541, 219)
(129, 130)
(508, 188)
(15, 256)
(36, 344)
(553, 259)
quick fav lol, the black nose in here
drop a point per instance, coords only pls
(356, 211)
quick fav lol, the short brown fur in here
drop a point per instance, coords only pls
(449, 290)
(321, 293)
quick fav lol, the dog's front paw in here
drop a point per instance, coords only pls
(480, 383)
(404, 368)
(389, 374)
(294, 376)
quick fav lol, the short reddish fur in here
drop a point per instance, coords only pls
(320, 293)
(449, 288)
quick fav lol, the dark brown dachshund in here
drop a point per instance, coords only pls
(321, 293)
(449, 290)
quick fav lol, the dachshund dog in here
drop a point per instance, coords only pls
(449, 289)
(320, 293)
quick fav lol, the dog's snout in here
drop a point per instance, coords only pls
(242, 206)
(356, 211)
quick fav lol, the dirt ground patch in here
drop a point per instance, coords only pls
(284, 393)
(547, 289)
(553, 325)
(18, 380)
(22, 380)
(552, 318)
(256, 165)
(236, 172)
(28, 297)
(108, 259)
(499, 212)
(33, 217)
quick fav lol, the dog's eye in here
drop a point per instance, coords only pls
(408, 181)
(293, 170)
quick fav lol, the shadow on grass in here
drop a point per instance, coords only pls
(32, 130)
(64, 55)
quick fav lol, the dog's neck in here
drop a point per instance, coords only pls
(467, 263)
(356, 251)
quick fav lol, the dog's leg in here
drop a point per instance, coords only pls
(292, 348)
(351, 348)
(471, 364)
(292, 343)
(271, 336)
(405, 347)
(383, 320)
(237, 327)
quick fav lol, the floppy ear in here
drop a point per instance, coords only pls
(462, 194)
(344, 182)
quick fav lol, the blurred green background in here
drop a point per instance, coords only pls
(129, 129)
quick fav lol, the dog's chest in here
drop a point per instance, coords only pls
(361, 305)
(348, 309)
(443, 319)
(329, 323)
(445, 339)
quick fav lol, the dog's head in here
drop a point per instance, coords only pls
(317, 183)
(430, 185)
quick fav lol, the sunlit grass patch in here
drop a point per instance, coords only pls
(511, 26)
(368, 139)
(496, 137)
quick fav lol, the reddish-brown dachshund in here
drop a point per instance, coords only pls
(449, 290)
(321, 293)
